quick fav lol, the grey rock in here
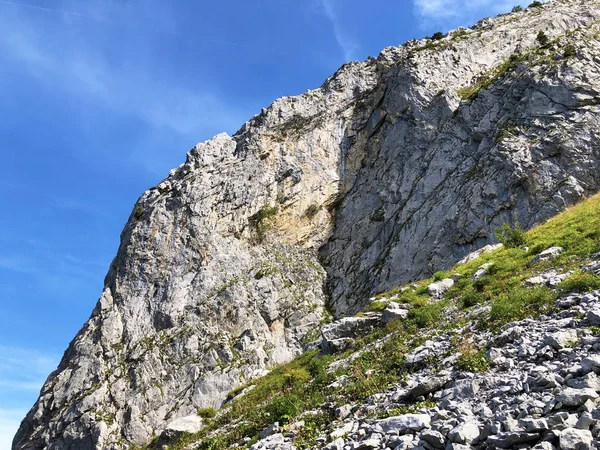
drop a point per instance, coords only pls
(428, 386)
(592, 317)
(512, 438)
(575, 397)
(482, 271)
(336, 335)
(574, 439)
(591, 363)
(405, 423)
(439, 288)
(464, 433)
(433, 438)
(531, 425)
(585, 422)
(477, 253)
(561, 339)
(547, 255)
(393, 311)
(338, 444)
(189, 424)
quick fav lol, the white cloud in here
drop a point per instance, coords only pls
(346, 43)
(451, 13)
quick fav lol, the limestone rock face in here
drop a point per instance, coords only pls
(385, 173)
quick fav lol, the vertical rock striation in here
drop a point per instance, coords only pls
(394, 168)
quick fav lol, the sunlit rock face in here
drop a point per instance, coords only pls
(395, 168)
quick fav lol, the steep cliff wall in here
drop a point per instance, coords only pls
(394, 168)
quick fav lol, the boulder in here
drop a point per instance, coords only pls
(438, 288)
(574, 439)
(338, 335)
(477, 253)
(405, 423)
(576, 397)
(393, 311)
(547, 255)
(464, 433)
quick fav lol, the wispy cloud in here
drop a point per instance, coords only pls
(51, 10)
(83, 70)
(346, 43)
(451, 13)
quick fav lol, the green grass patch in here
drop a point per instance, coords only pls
(580, 282)
(428, 315)
(521, 303)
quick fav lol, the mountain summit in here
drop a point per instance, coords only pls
(396, 168)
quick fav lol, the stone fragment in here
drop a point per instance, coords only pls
(336, 335)
(428, 386)
(338, 444)
(481, 271)
(592, 317)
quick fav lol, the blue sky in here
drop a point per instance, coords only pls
(101, 98)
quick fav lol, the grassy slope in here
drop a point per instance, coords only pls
(305, 384)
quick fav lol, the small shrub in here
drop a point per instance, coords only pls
(510, 237)
(261, 220)
(427, 315)
(438, 276)
(535, 4)
(569, 51)
(207, 413)
(480, 283)
(377, 305)
(471, 298)
(283, 409)
(472, 359)
(312, 211)
(138, 212)
(517, 8)
(542, 38)
(438, 36)
(580, 282)
(594, 329)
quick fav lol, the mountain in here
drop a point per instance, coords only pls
(394, 169)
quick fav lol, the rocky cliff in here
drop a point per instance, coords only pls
(395, 168)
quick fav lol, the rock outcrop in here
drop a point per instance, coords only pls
(394, 168)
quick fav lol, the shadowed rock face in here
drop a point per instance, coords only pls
(380, 176)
